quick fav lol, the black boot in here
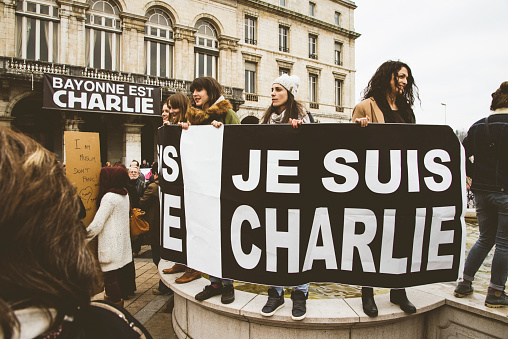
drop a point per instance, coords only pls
(368, 303)
(399, 297)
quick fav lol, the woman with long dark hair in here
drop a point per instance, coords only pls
(175, 109)
(286, 110)
(211, 108)
(388, 98)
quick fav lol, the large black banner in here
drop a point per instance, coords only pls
(69, 93)
(376, 206)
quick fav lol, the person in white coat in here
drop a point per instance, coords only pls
(111, 225)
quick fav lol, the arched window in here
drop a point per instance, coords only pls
(37, 30)
(206, 49)
(103, 35)
(159, 44)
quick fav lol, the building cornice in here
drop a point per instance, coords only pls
(287, 13)
(73, 3)
(348, 4)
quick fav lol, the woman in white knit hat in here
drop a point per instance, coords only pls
(286, 110)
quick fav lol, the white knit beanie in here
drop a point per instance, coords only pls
(290, 83)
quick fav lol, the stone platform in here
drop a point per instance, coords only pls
(439, 315)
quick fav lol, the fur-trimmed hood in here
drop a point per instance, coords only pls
(217, 111)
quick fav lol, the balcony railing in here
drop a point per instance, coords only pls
(24, 67)
(339, 109)
(338, 62)
(251, 41)
(314, 105)
(251, 97)
(313, 56)
(284, 49)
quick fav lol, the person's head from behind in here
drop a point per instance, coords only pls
(205, 91)
(133, 173)
(155, 169)
(500, 97)
(178, 104)
(392, 79)
(44, 260)
(113, 179)
(134, 163)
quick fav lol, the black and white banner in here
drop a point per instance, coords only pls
(70, 93)
(376, 206)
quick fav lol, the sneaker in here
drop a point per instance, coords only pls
(156, 291)
(274, 303)
(188, 276)
(299, 309)
(228, 294)
(463, 289)
(209, 291)
(496, 299)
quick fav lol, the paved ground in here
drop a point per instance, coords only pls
(153, 311)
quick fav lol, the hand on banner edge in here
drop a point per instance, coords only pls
(362, 121)
(295, 122)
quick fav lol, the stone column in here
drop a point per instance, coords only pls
(132, 142)
(133, 43)
(184, 52)
(8, 34)
(227, 46)
(6, 121)
(72, 32)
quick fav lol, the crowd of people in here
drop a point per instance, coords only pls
(46, 290)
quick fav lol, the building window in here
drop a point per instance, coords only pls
(37, 30)
(282, 2)
(284, 71)
(206, 49)
(337, 18)
(283, 39)
(338, 54)
(102, 30)
(250, 81)
(338, 95)
(313, 91)
(250, 77)
(159, 44)
(312, 46)
(312, 8)
(250, 30)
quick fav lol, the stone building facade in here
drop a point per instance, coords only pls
(244, 44)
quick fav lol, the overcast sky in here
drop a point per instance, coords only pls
(457, 51)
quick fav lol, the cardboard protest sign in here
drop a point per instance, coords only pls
(83, 167)
(376, 206)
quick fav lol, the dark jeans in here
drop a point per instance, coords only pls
(492, 214)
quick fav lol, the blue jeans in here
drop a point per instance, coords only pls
(492, 214)
(225, 282)
(304, 288)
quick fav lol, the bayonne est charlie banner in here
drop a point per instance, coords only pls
(70, 93)
(377, 206)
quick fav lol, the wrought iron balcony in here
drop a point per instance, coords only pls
(284, 49)
(313, 56)
(314, 105)
(339, 109)
(34, 70)
(251, 97)
(251, 41)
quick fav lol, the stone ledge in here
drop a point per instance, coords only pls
(338, 316)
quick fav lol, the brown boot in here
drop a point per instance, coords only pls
(177, 268)
(188, 276)
(118, 303)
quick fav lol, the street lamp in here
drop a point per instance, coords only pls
(444, 112)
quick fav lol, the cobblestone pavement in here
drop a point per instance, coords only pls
(153, 311)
